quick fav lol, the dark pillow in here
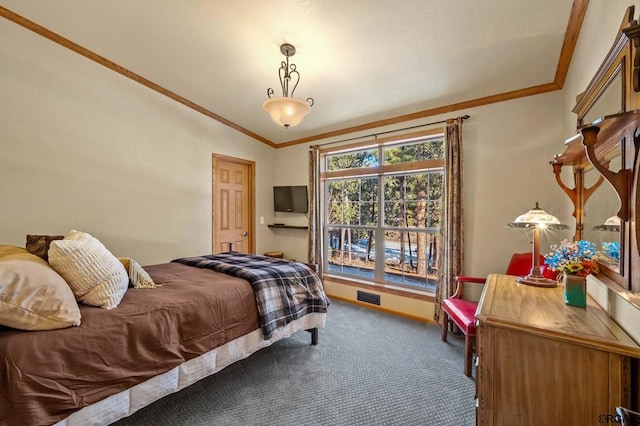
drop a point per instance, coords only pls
(39, 244)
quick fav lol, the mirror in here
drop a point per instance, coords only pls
(608, 102)
(599, 216)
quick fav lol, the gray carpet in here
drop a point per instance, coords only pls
(369, 368)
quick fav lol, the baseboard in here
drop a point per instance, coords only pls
(381, 309)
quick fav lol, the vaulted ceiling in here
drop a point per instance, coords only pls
(366, 63)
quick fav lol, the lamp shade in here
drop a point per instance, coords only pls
(611, 224)
(537, 218)
(286, 111)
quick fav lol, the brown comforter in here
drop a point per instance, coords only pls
(47, 375)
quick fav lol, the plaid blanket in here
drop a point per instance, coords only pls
(284, 290)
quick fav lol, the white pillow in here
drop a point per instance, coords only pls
(32, 295)
(95, 276)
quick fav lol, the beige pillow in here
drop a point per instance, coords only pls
(95, 276)
(32, 295)
(138, 277)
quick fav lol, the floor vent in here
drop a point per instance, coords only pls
(374, 299)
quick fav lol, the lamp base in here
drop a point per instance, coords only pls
(537, 281)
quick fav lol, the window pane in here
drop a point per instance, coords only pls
(435, 185)
(335, 206)
(393, 187)
(352, 201)
(422, 150)
(352, 189)
(433, 214)
(411, 258)
(351, 252)
(352, 160)
(368, 214)
(409, 197)
(414, 213)
(369, 189)
(392, 213)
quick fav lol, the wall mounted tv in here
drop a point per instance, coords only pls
(290, 199)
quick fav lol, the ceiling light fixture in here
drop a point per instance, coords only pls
(287, 111)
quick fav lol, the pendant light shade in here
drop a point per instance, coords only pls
(285, 111)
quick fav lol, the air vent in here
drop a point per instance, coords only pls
(374, 299)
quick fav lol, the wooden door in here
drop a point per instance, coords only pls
(233, 201)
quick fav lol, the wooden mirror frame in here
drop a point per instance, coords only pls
(612, 135)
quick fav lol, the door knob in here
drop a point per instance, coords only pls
(245, 233)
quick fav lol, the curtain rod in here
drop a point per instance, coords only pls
(464, 117)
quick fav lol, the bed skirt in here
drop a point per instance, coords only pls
(127, 402)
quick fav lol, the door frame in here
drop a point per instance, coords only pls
(215, 158)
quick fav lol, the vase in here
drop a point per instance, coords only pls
(575, 290)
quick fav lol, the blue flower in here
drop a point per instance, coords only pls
(612, 250)
(572, 258)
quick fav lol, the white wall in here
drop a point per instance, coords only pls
(292, 168)
(508, 147)
(83, 147)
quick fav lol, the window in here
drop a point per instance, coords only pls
(382, 210)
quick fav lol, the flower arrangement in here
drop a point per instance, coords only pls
(572, 258)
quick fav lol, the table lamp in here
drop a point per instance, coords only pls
(537, 219)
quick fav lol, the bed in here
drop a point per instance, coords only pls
(156, 342)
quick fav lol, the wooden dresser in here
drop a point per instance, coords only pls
(543, 362)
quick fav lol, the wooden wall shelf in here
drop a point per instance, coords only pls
(574, 152)
(610, 132)
(287, 226)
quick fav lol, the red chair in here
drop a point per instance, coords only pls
(462, 312)
(520, 264)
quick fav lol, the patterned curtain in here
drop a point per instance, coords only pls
(315, 214)
(450, 250)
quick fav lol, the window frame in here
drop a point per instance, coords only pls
(379, 171)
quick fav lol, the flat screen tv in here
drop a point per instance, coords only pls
(290, 199)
